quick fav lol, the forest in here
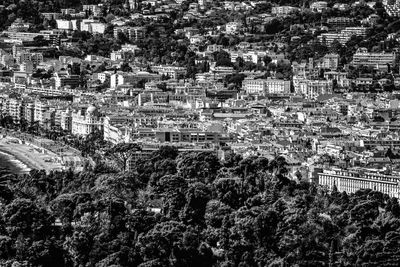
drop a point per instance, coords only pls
(192, 209)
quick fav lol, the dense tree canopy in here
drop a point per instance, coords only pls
(191, 209)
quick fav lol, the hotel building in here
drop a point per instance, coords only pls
(350, 181)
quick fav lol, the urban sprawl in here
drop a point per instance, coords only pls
(316, 84)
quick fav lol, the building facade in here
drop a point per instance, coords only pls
(86, 122)
(350, 181)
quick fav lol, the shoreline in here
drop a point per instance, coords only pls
(19, 166)
(27, 157)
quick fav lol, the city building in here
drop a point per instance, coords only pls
(62, 80)
(330, 61)
(340, 22)
(283, 10)
(381, 61)
(133, 33)
(350, 181)
(319, 6)
(86, 121)
(232, 27)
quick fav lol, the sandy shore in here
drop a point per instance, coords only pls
(29, 155)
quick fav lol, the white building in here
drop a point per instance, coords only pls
(319, 6)
(94, 10)
(254, 86)
(375, 60)
(351, 181)
(266, 86)
(232, 27)
(115, 131)
(313, 88)
(116, 55)
(14, 109)
(283, 10)
(41, 108)
(85, 123)
(276, 86)
(66, 120)
(330, 61)
(68, 25)
(93, 26)
(133, 33)
(173, 72)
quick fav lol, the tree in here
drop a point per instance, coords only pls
(25, 217)
(6, 193)
(78, 247)
(266, 60)
(122, 152)
(197, 197)
(122, 38)
(201, 166)
(160, 242)
(120, 187)
(223, 59)
(173, 189)
(125, 67)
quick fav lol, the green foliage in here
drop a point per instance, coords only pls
(241, 212)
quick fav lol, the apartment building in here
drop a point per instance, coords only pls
(66, 80)
(50, 36)
(133, 4)
(329, 38)
(29, 112)
(92, 26)
(173, 72)
(40, 111)
(66, 120)
(339, 77)
(116, 129)
(276, 86)
(25, 57)
(51, 15)
(312, 88)
(131, 78)
(283, 10)
(67, 25)
(254, 86)
(133, 33)
(319, 6)
(13, 108)
(94, 10)
(340, 22)
(232, 27)
(186, 135)
(330, 61)
(19, 25)
(357, 31)
(68, 11)
(350, 181)
(343, 36)
(266, 86)
(376, 60)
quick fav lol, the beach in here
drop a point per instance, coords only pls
(27, 156)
